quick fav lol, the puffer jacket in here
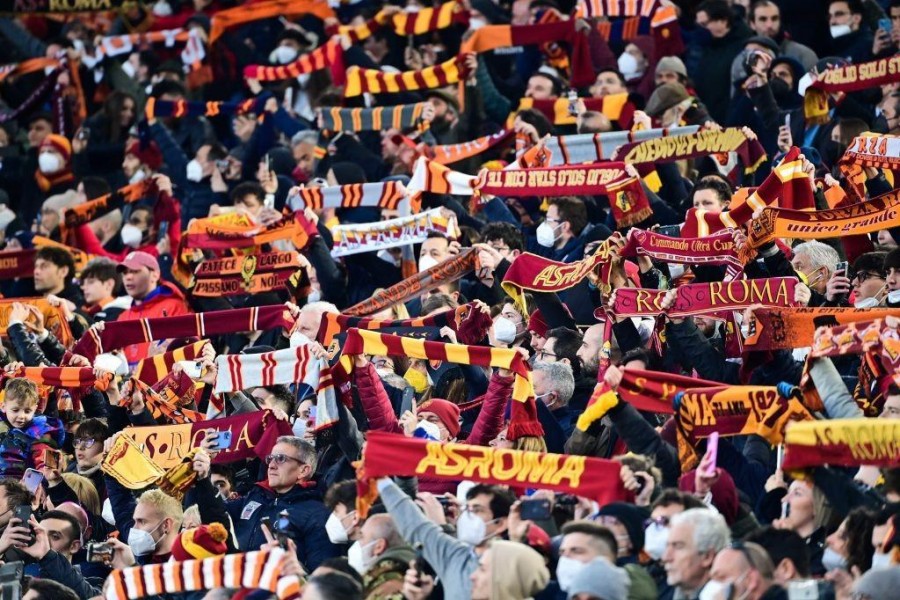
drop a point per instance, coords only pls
(306, 515)
(164, 301)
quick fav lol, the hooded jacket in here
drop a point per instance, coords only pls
(517, 571)
(164, 301)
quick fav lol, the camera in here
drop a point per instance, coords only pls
(99, 552)
(750, 60)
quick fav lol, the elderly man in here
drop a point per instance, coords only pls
(381, 556)
(747, 569)
(695, 537)
(554, 385)
(815, 262)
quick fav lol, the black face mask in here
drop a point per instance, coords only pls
(780, 89)
(880, 124)
(832, 152)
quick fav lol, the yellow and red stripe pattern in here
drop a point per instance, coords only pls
(373, 81)
(154, 368)
(385, 195)
(64, 377)
(418, 23)
(329, 55)
(844, 442)
(616, 107)
(617, 8)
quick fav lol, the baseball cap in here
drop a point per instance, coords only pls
(138, 259)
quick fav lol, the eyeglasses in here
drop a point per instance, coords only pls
(659, 521)
(742, 548)
(280, 459)
(549, 220)
(866, 275)
(544, 354)
(501, 248)
(83, 443)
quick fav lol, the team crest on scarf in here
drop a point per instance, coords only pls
(248, 268)
(624, 200)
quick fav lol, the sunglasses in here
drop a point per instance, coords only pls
(280, 459)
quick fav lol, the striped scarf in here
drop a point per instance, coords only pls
(447, 271)
(692, 145)
(597, 147)
(591, 9)
(388, 195)
(433, 177)
(63, 377)
(662, 26)
(380, 118)
(616, 107)
(241, 371)
(452, 153)
(250, 570)
(374, 81)
(36, 98)
(467, 321)
(154, 368)
(164, 408)
(119, 334)
(404, 24)
(207, 234)
(53, 317)
(248, 274)
(377, 344)
(788, 328)
(31, 65)
(84, 213)
(329, 55)
(787, 184)
(269, 9)
(158, 109)
(402, 231)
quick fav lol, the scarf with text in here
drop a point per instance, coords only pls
(446, 271)
(469, 323)
(433, 177)
(597, 147)
(788, 328)
(22, 7)
(848, 78)
(53, 317)
(119, 334)
(692, 145)
(178, 109)
(448, 154)
(627, 199)
(492, 37)
(387, 454)
(253, 436)
(162, 407)
(533, 273)
(269, 9)
(84, 213)
(242, 371)
(715, 249)
(329, 55)
(356, 238)
(787, 184)
(880, 151)
(126, 463)
(375, 81)
(17, 263)
(616, 107)
(248, 274)
(380, 118)
(154, 368)
(861, 218)
(842, 442)
(388, 195)
(249, 570)
(704, 298)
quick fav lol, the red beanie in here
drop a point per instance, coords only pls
(446, 411)
(201, 542)
(59, 144)
(523, 420)
(149, 153)
(537, 324)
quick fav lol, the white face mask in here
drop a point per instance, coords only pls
(803, 83)
(128, 69)
(162, 9)
(315, 295)
(656, 537)
(360, 557)
(504, 330)
(194, 171)
(283, 55)
(881, 560)
(426, 262)
(839, 31)
(546, 235)
(78, 45)
(893, 298)
(870, 302)
(713, 590)
(832, 560)
(299, 428)
(131, 235)
(49, 163)
(470, 528)
(566, 570)
(628, 66)
(335, 530)
(138, 176)
(476, 24)
(142, 542)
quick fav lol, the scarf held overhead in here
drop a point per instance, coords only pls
(388, 195)
(842, 442)
(715, 249)
(368, 237)
(247, 13)
(374, 119)
(374, 81)
(692, 145)
(597, 147)
(53, 317)
(329, 55)
(288, 366)
(17, 263)
(248, 274)
(788, 328)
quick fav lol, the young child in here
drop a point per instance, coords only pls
(24, 435)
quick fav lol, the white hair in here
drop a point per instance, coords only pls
(310, 136)
(560, 377)
(710, 531)
(319, 308)
(819, 255)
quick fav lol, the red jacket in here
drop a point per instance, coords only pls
(164, 301)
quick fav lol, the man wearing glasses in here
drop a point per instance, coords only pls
(288, 487)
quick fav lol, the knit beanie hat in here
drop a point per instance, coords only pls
(200, 542)
(59, 144)
(148, 153)
(446, 411)
(537, 324)
(632, 518)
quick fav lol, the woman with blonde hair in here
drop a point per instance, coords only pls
(85, 491)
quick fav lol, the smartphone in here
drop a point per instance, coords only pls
(842, 266)
(885, 25)
(573, 99)
(163, 231)
(23, 513)
(670, 230)
(54, 459)
(32, 480)
(99, 552)
(712, 448)
(223, 440)
(289, 97)
(85, 132)
(534, 510)
(787, 121)
(779, 456)
(191, 368)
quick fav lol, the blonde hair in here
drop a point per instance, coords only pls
(85, 490)
(19, 389)
(191, 517)
(164, 503)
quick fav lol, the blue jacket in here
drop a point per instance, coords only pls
(306, 513)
